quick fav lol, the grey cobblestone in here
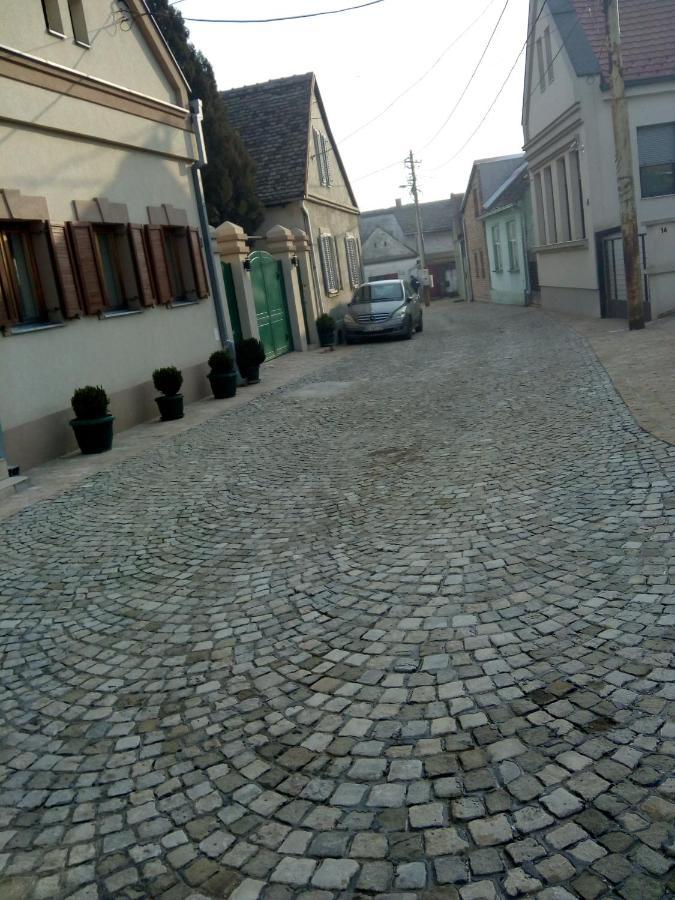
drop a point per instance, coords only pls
(415, 644)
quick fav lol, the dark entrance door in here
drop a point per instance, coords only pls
(613, 287)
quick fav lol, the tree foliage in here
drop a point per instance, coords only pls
(229, 177)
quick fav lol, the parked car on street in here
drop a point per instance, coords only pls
(378, 308)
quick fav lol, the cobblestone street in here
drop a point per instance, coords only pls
(399, 630)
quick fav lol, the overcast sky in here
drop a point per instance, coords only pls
(364, 59)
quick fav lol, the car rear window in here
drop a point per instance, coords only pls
(371, 293)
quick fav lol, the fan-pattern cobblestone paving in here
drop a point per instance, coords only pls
(400, 631)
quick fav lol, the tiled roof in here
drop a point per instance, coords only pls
(437, 215)
(647, 37)
(273, 121)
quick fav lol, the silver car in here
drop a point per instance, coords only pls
(389, 308)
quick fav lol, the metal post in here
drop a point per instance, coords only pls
(624, 169)
(196, 117)
(410, 163)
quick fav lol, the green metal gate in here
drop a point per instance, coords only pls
(232, 306)
(271, 307)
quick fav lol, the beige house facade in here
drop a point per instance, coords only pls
(102, 268)
(302, 182)
(569, 143)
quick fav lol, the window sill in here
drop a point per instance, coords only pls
(565, 245)
(119, 313)
(82, 44)
(31, 328)
(57, 34)
(179, 304)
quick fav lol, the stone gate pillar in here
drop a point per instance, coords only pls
(310, 300)
(280, 244)
(232, 248)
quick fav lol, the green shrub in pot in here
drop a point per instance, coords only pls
(250, 356)
(92, 425)
(325, 326)
(222, 374)
(168, 382)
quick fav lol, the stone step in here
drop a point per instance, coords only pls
(9, 486)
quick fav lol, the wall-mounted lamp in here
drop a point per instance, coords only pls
(247, 265)
(294, 261)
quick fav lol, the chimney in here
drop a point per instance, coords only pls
(398, 201)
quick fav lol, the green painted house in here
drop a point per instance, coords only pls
(507, 218)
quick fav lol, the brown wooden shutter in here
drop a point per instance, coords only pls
(8, 311)
(197, 253)
(140, 254)
(70, 297)
(84, 250)
(160, 268)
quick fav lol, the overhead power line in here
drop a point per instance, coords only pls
(325, 12)
(470, 81)
(520, 53)
(503, 85)
(421, 77)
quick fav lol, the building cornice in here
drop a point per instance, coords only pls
(18, 66)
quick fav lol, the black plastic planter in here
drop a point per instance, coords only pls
(326, 338)
(170, 408)
(93, 435)
(252, 375)
(223, 384)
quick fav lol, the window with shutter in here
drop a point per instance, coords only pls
(656, 150)
(328, 263)
(182, 274)
(158, 262)
(84, 252)
(70, 298)
(30, 298)
(197, 254)
(8, 311)
(142, 263)
(338, 267)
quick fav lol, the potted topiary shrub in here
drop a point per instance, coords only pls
(250, 356)
(222, 377)
(168, 382)
(92, 425)
(325, 326)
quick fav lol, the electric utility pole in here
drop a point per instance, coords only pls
(409, 163)
(624, 169)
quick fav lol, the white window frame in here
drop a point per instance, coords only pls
(79, 22)
(53, 20)
(559, 200)
(540, 65)
(497, 248)
(512, 244)
(548, 54)
(329, 263)
(658, 155)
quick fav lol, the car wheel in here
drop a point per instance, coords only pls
(409, 330)
(350, 340)
(420, 327)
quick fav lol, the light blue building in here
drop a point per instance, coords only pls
(508, 225)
